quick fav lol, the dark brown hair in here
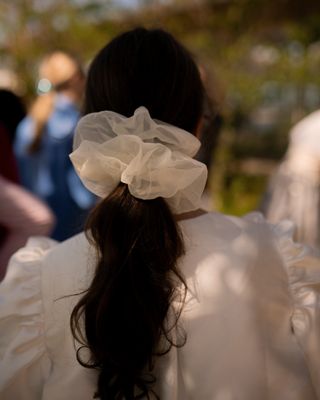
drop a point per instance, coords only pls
(127, 306)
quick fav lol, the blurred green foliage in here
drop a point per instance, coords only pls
(261, 60)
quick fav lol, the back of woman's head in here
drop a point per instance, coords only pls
(126, 308)
(146, 68)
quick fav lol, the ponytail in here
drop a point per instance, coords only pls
(126, 308)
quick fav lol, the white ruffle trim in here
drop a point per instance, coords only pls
(302, 264)
(21, 313)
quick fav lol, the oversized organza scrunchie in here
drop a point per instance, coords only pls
(153, 158)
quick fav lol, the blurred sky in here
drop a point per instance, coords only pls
(121, 3)
(128, 3)
(137, 3)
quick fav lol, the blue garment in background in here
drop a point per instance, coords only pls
(49, 173)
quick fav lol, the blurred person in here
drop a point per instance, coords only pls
(21, 214)
(12, 111)
(294, 190)
(8, 165)
(159, 299)
(44, 141)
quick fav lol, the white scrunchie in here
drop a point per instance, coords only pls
(153, 158)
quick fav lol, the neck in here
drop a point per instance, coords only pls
(190, 214)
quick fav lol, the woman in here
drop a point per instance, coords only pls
(162, 300)
(44, 140)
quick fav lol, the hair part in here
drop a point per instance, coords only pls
(146, 68)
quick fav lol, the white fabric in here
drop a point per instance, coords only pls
(252, 317)
(294, 190)
(306, 133)
(153, 158)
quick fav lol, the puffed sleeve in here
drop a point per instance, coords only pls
(303, 269)
(24, 361)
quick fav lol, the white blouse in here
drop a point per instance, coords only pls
(252, 317)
